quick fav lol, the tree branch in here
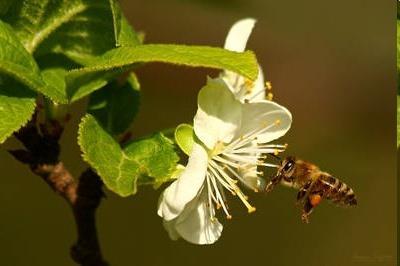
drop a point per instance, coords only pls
(42, 155)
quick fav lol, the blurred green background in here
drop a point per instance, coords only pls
(332, 63)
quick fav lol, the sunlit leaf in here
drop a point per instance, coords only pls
(184, 137)
(70, 27)
(144, 161)
(17, 104)
(84, 81)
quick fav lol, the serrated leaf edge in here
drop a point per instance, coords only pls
(127, 64)
(142, 168)
(6, 136)
(86, 159)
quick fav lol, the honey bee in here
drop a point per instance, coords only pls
(313, 185)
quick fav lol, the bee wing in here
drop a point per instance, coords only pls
(250, 178)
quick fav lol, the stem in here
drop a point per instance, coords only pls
(41, 154)
(89, 193)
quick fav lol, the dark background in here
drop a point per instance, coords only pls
(332, 63)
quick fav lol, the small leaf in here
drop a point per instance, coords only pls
(124, 33)
(184, 137)
(127, 35)
(17, 104)
(115, 106)
(121, 170)
(116, 17)
(83, 81)
(156, 154)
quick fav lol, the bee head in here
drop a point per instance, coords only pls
(287, 169)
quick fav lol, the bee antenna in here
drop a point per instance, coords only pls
(277, 157)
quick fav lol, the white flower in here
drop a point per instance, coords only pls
(243, 89)
(226, 129)
(236, 41)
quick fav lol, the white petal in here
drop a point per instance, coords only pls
(236, 41)
(238, 35)
(265, 114)
(258, 91)
(218, 115)
(183, 190)
(195, 224)
(170, 228)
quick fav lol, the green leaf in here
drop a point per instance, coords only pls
(127, 35)
(124, 33)
(115, 106)
(55, 77)
(70, 27)
(17, 63)
(184, 137)
(17, 104)
(398, 55)
(142, 161)
(116, 17)
(84, 81)
(156, 155)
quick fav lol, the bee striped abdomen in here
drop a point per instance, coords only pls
(337, 191)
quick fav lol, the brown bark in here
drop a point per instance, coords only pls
(84, 196)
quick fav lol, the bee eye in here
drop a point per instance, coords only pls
(288, 166)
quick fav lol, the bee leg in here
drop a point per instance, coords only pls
(307, 210)
(304, 190)
(272, 183)
(312, 201)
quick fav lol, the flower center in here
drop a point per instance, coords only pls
(218, 148)
(238, 161)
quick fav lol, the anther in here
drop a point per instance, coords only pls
(270, 96)
(268, 85)
(276, 152)
(277, 122)
(229, 217)
(251, 209)
(248, 83)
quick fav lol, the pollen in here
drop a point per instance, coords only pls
(277, 122)
(252, 209)
(270, 96)
(315, 200)
(249, 84)
(268, 85)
